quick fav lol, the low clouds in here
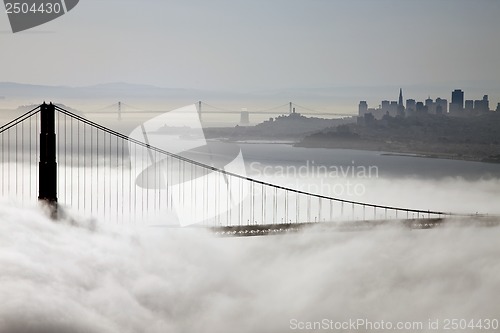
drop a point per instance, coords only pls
(59, 277)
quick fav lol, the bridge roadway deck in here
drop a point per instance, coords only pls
(276, 229)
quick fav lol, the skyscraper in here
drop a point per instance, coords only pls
(457, 101)
(429, 104)
(420, 108)
(486, 103)
(393, 109)
(482, 105)
(385, 106)
(469, 105)
(401, 107)
(410, 107)
(441, 106)
(363, 108)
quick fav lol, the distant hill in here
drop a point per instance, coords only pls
(26, 108)
(287, 127)
(110, 90)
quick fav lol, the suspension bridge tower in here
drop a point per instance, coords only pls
(47, 191)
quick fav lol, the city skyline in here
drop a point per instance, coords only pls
(458, 106)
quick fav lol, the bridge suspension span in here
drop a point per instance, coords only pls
(130, 179)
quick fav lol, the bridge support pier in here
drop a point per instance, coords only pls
(47, 190)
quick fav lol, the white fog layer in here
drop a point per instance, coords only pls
(59, 277)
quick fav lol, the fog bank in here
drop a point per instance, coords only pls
(58, 277)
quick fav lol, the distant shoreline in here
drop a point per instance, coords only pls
(472, 153)
(386, 149)
(263, 141)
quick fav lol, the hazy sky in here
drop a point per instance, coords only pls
(259, 45)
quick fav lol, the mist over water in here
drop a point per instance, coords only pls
(88, 277)
(368, 176)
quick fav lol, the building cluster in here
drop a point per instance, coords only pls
(457, 107)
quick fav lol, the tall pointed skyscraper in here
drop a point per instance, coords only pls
(401, 107)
